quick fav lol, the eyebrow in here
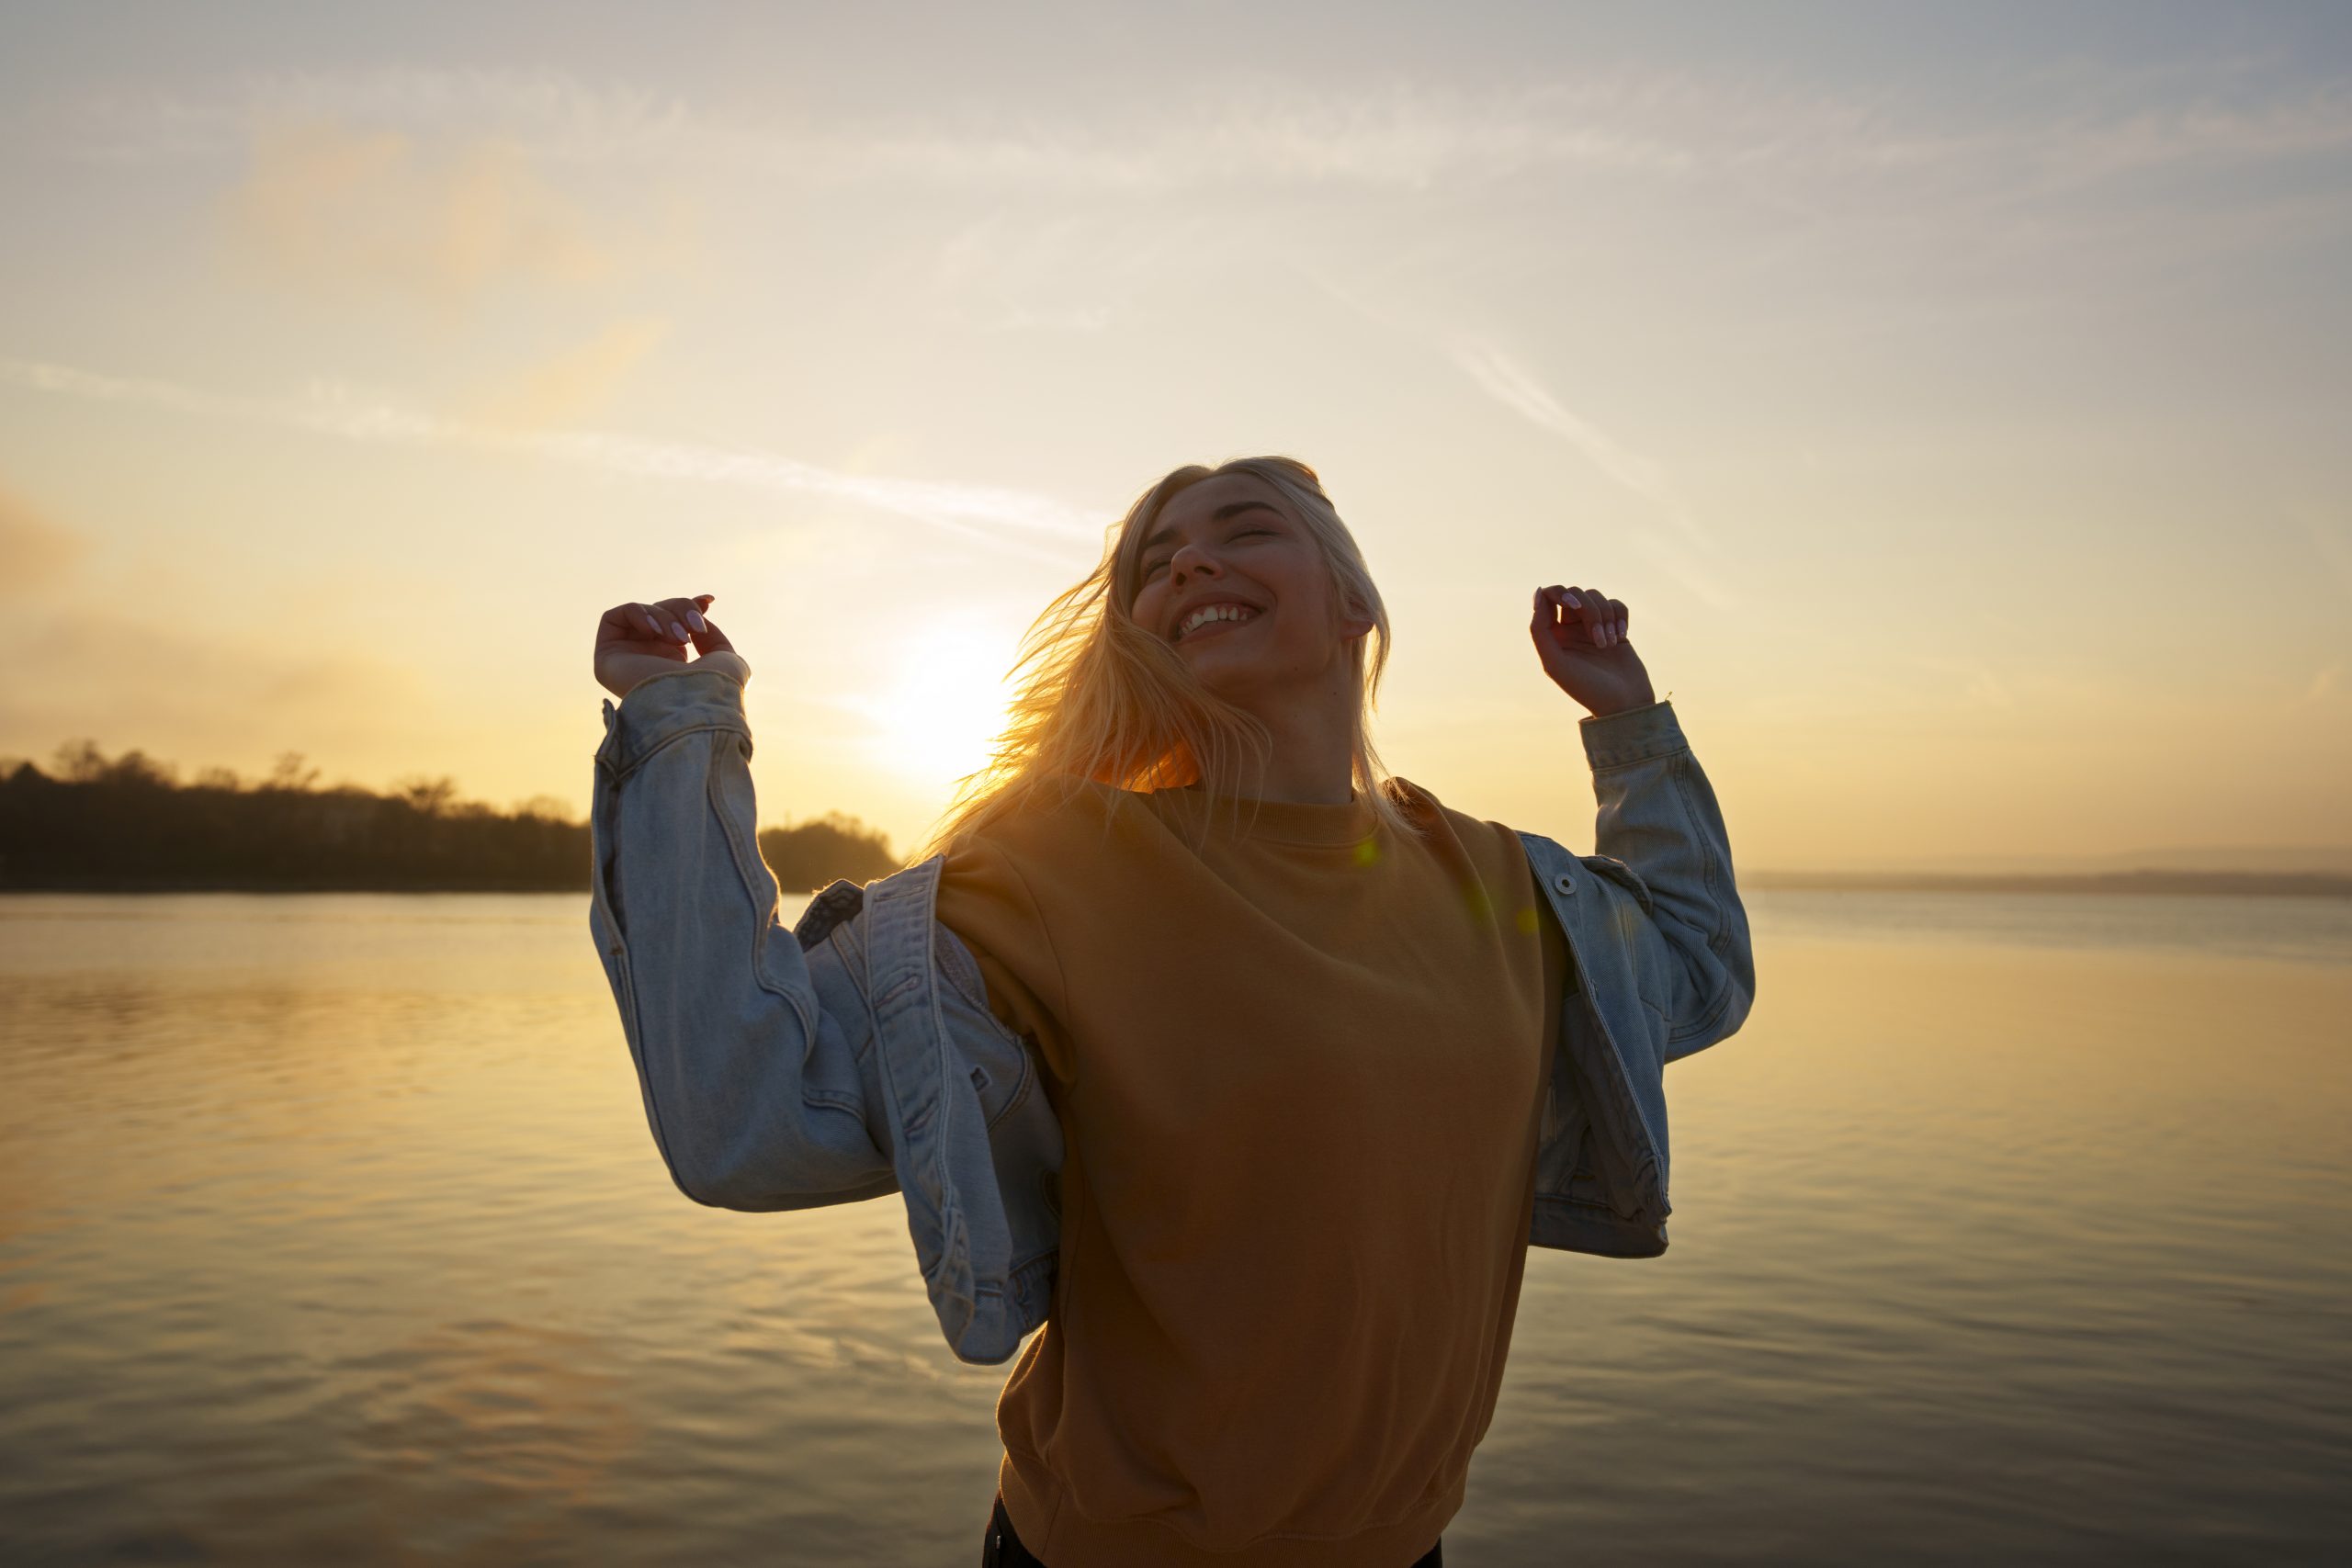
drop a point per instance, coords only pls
(1230, 509)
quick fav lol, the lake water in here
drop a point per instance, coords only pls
(2009, 1228)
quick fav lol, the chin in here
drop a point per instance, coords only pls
(1226, 679)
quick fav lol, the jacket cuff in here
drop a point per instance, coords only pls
(661, 708)
(1632, 735)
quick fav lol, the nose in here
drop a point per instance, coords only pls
(1190, 560)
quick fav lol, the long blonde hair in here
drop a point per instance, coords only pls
(1108, 702)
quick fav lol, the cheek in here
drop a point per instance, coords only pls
(1306, 606)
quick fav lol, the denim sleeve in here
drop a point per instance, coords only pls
(1658, 815)
(754, 1089)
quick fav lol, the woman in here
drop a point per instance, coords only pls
(1297, 1018)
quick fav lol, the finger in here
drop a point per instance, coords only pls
(1552, 619)
(626, 623)
(663, 617)
(1600, 621)
(1552, 600)
(1559, 621)
(614, 626)
(710, 639)
(649, 624)
(1621, 618)
(683, 614)
(1576, 617)
(649, 632)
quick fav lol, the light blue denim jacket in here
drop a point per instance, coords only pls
(853, 1056)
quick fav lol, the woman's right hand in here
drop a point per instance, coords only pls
(637, 641)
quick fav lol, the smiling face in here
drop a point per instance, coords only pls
(1228, 542)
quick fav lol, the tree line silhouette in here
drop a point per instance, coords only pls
(126, 824)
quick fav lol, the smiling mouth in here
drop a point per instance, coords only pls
(1216, 628)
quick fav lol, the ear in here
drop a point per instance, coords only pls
(1353, 623)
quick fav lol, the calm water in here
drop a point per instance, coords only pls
(331, 1231)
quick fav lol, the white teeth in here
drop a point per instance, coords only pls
(1214, 613)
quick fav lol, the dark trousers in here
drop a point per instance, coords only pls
(1002, 1548)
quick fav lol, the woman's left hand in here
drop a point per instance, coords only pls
(637, 641)
(1580, 636)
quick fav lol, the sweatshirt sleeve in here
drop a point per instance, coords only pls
(985, 900)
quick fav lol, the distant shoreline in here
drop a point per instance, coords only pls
(2242, 883)
(126, 825)
(2264, 884)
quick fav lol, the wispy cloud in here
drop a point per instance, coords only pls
(1517, 390)
(1505, 381)
(327, 205)
(568, 385)
(1002, 519)
(2203, 135)
(1254, 127)
(1068, 272)
(34, 552)
(546, 113)
(1249, 125)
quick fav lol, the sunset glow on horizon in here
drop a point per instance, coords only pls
(1957, 399)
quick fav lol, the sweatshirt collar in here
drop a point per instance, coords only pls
(1277, 821)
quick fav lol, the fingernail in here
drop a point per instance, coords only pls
(1576, 602)
(697, 620)
(677, 631)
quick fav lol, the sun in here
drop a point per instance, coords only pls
(945, 704)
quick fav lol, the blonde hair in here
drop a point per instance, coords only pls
(1108, 702)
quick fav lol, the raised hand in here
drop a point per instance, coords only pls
(1580, 636)
(637, 641)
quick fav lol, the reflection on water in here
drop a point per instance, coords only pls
(330, 1230)
(2310, 931)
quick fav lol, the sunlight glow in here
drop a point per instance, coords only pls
(945, 705)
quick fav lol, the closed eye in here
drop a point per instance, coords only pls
(1239, 533)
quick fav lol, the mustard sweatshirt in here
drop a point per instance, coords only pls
(1300, 1076)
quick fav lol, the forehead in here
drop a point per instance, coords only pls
(1198, 502)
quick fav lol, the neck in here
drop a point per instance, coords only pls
(1310, 762)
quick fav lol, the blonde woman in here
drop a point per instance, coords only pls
(1301, 1058)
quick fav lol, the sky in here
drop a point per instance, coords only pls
(1957, 397)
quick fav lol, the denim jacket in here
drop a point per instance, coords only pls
(853, 1054)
